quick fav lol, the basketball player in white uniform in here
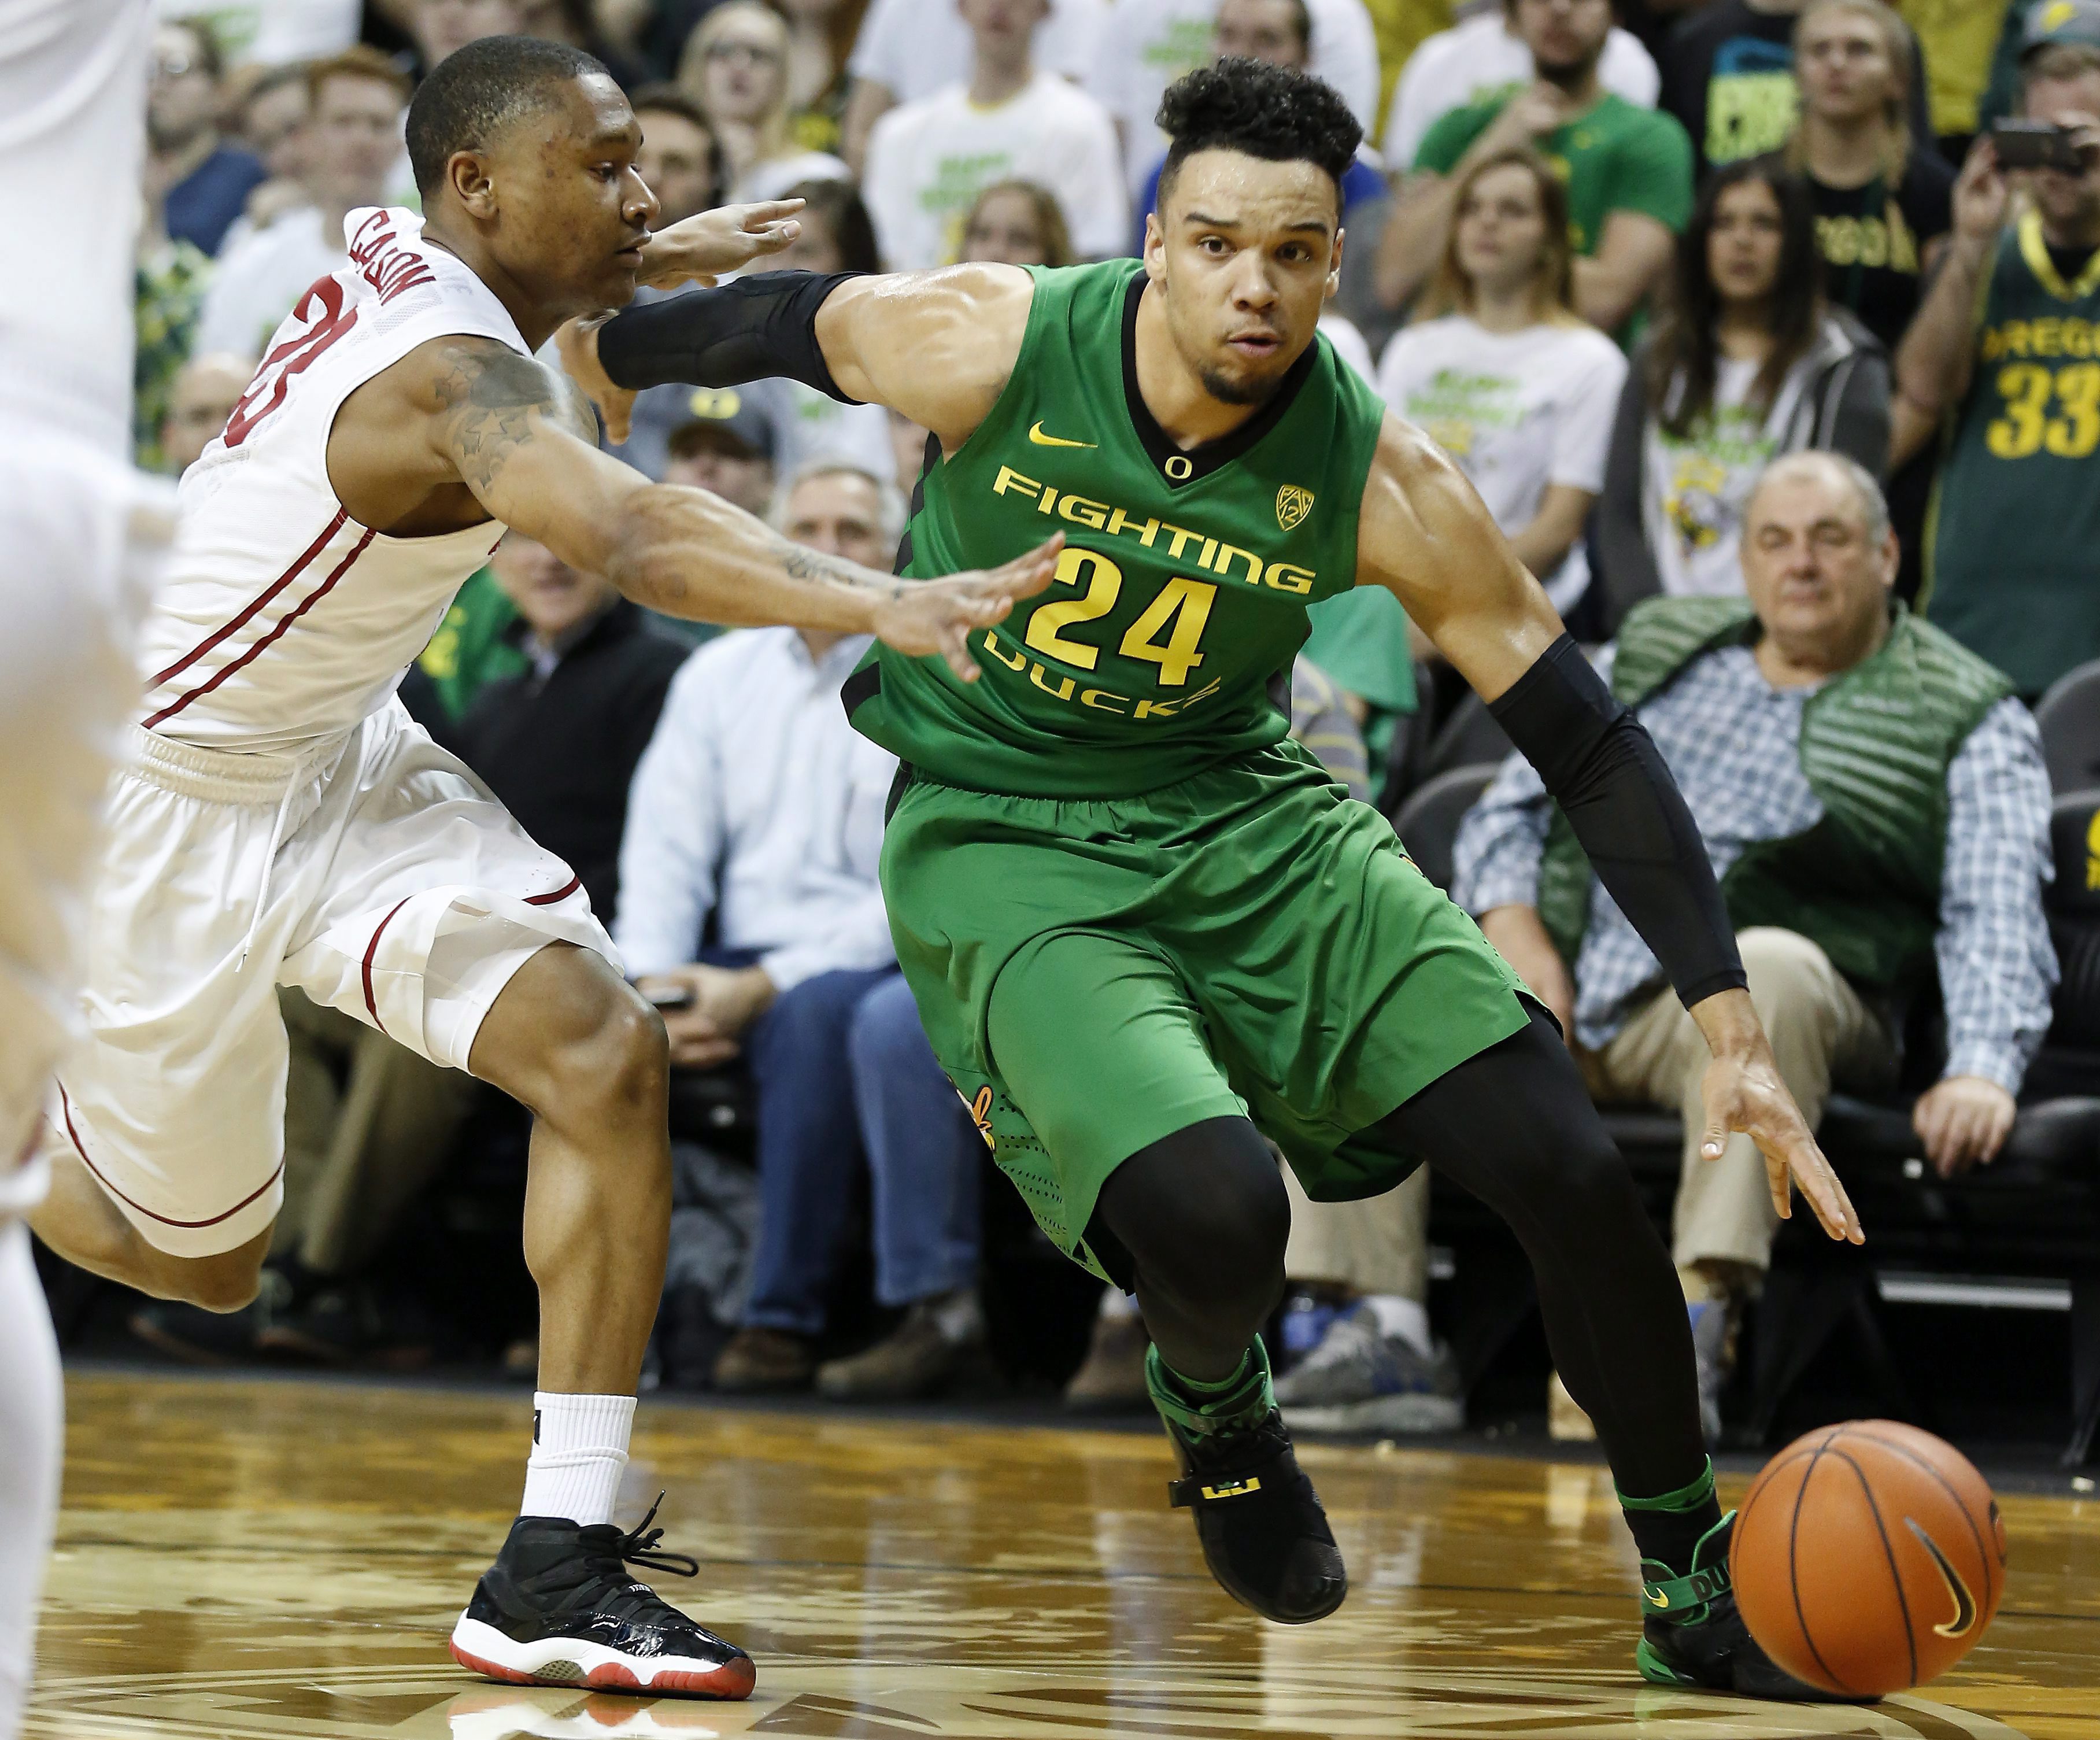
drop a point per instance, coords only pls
(284, 823)
(76, 528)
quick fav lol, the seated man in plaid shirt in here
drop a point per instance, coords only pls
(1874, 802)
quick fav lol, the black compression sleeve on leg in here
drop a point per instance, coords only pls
(1513, 1125)
(1611, 782)
(747, 330)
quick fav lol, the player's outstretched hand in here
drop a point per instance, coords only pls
(1742, 1091)
(926, 616)
(576, 343)
(727, 238)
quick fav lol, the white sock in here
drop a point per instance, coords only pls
(578, 1447)
(1116, 1304)
(1408, 1319)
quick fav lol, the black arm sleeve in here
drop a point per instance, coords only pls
(748, 330)
(1611, 782)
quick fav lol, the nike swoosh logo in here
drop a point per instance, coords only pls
(1035, 434)
(1964, 1603)
(1661, 1601)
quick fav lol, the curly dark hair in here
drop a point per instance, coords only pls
(1275, 112)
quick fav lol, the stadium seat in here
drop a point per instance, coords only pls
(1427, 823)
(1470, 735)
(2069, 718)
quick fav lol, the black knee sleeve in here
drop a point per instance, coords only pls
(1200, 1215)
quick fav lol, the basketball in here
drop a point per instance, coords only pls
(1868, 1558)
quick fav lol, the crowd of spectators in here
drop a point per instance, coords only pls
(1784, 387)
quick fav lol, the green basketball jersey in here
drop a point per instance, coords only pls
(1183, 586)
(2010, 551)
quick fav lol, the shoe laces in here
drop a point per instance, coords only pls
(605, 1584)
(637, 1547)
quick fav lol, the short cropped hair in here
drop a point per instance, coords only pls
(892, 513)
(475, 92)
(359, 60)
(1866, 487)
(1277, 113)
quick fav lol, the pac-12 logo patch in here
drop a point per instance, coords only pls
(1292, 505)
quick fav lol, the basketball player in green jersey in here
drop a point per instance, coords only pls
(1146, 931)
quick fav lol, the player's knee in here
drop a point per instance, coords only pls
(1206, 1217)
(1583, 1175)
(635, 1053)
(215, 1287)
(1246, 1222)
(618, 1066)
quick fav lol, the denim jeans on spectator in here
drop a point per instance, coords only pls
(843, 1073)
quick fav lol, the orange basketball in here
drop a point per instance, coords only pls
(1868, 1558)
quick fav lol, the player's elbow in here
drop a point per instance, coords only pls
(651, 524)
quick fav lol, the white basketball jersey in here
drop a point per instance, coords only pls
(280, 619)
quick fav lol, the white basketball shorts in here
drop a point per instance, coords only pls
(79, 536)
(375, 872)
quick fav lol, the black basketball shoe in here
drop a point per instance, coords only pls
(1692, 1636)
(1264, 1533)
(558, 1608)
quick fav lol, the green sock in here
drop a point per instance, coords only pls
(1197, 1408)
(1669, 1527)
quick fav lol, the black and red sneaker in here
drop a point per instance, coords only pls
(558, 1608)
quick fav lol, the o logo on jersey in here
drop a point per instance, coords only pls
(718, 403)
(1181, 468)
(1292, 505)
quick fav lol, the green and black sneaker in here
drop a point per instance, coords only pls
(1693, 1637)
(1258, 1520)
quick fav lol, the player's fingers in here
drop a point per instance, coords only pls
(1780, 1182)
(1027, 575)
(755, 214)
(955, 649)
(1715, 1143)
(1826, 1195)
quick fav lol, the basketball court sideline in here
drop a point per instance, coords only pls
(257, 1560)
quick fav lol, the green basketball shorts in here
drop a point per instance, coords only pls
(1096, 975)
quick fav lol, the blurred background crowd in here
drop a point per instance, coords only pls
(1617, 261)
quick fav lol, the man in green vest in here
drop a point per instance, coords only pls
(2006, 349)
(1875, 804)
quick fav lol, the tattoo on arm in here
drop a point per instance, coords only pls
(802, 563)
(490, 395)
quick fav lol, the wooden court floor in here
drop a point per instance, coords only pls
(242, 1560)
